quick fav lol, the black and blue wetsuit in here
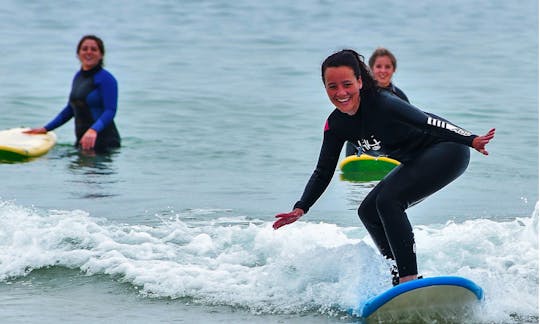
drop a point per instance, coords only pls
(93, 102)
(432, 151)
(351, 148)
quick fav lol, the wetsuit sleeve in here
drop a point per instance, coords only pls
(430, 124)
(326, 166)
(108, 87)
(60, 119)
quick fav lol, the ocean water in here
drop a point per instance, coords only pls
(221, 110)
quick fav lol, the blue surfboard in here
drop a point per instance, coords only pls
(424, 300)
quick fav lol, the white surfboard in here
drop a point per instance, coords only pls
(16, 145)
(446, 299)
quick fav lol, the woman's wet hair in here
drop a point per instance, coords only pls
(99, 43)
(350, 58)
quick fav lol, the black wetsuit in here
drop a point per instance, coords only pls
(351, 148)
(397, 91)
(433, 152)
(93, 102)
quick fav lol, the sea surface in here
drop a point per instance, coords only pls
(221, 112)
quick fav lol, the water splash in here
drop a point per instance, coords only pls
(244, 263)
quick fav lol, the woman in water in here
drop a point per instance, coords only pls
(383, 65)
(432, 151)
(93, 101)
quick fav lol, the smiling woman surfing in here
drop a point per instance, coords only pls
(432, 151)
(93, 101)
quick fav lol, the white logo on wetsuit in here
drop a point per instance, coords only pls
(368, 146)
(450, 127)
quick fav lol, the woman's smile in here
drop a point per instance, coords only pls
(343, 89)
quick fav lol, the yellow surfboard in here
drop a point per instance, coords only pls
(17, 146)
(366, 167)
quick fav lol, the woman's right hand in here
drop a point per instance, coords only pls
(287, 218)
(479, 143)
(40, 130)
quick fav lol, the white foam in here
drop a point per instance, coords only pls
(303, 266)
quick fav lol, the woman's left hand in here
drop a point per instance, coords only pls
(88, 140)
(480, 142)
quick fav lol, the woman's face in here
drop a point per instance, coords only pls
(89, 54)
(383, 70)
(343, 88)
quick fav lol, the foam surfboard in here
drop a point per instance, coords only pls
(366, 167)
(17, 146)
(445, 298)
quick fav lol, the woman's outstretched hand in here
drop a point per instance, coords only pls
(40, 130)
(287, 218)
(480, 142)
